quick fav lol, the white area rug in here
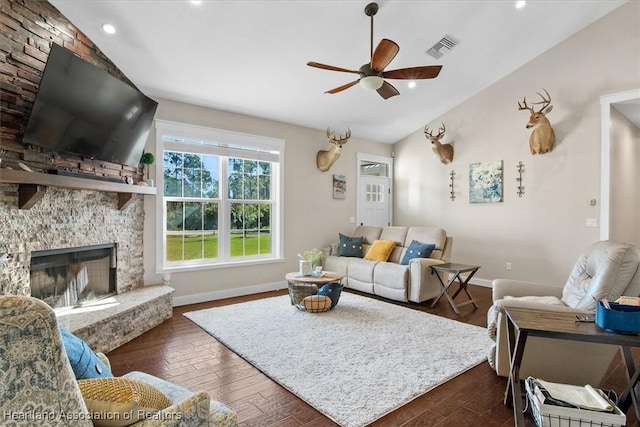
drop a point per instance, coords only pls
(355, 363)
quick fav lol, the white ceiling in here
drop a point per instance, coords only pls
(250, 56)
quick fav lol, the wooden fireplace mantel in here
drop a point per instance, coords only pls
(33, 185)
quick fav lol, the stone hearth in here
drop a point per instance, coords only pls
(113, 321)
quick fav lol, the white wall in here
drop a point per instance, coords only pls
(625, 179)
(543, 232)
(312, 217)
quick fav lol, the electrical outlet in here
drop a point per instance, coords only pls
(508, 266)
(592, 222)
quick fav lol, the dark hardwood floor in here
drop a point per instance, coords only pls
(181, 352)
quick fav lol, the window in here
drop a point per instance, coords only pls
(220, 197)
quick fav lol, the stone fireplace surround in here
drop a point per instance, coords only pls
(67, 218)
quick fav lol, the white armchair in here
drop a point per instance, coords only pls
(607, 269)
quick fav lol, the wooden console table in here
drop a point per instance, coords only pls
(525, 322)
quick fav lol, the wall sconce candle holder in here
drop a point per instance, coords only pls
(520, 187)
(452, 193)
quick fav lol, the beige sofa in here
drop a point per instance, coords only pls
(389, 279)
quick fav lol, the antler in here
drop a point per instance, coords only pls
(545, 102)
(524, 105)
(340, 139)
(429, 133)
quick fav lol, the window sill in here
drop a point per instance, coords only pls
(198, 267)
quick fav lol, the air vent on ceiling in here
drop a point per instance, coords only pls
(445, 44)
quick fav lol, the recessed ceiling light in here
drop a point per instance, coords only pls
(520, 4)
(108, 28)
(196, 1)
(411, 84)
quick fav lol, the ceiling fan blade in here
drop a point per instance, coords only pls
(330, 67)
(387, 90)
(384, 54)
(413, 73)
(343, 87)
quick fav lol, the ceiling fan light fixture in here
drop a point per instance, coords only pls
(371, 82)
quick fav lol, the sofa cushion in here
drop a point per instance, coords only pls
(434, 235)
(368, 233)
(417, 250)
(349, 246)
(380, 250)
(126, 401)
(361, 270)
(391, 275)
(84, 361)
(395, 233)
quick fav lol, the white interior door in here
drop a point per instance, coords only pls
(374, 190)
(374, 201)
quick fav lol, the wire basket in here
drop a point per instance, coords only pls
(298, 292)
(545, 415)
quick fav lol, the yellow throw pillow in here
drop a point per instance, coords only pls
(119, 402)
(380, 250)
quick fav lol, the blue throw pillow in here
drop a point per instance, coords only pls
(417, 250)
(350, 246)
(331, 290)
(84, 362)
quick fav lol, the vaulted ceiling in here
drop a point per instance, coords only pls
(250, 57)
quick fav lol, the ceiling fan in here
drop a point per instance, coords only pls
(372, 75)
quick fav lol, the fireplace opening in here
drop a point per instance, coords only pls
(73, 276)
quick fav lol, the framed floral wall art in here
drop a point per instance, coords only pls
(485, 182)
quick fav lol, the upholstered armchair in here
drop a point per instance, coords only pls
(38, 385)
(607, 269)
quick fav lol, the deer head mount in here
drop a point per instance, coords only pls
(543, 137)
(326, 158)
(444, 151)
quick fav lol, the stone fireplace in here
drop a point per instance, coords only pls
(71, 277)
(67, 219)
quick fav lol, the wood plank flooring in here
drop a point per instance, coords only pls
(181, 352)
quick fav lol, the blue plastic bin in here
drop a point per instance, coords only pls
(621, 319)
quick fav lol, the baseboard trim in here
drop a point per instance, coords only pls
(227, 293)
(266, 287)
(481, 282)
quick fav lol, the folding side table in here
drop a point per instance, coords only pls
(454, 271)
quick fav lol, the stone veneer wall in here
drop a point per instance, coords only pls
(66, 219)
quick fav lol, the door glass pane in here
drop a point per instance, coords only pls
(374, 193)
(374, 169)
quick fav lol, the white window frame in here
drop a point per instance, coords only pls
(229, 144)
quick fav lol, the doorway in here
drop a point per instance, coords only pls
(627, 103)
(375, 196)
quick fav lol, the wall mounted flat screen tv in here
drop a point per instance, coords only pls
(84, 110)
